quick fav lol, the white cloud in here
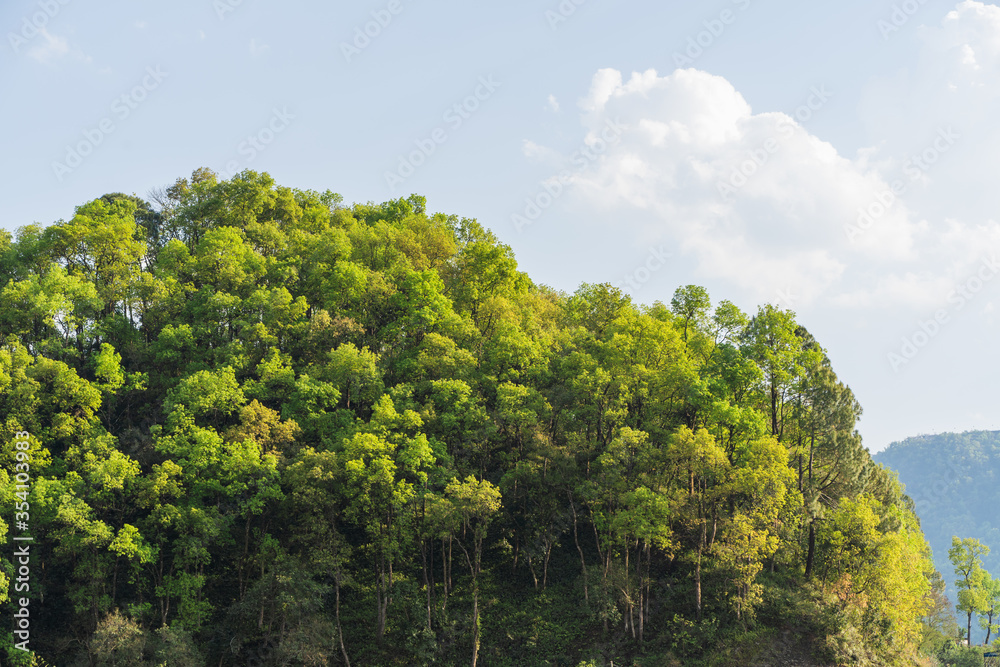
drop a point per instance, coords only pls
(553, 103)
(539, 153)
(954, 85)
(52, 48)
(951, 92)
(752, 198)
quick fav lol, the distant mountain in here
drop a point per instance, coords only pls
(953, 480)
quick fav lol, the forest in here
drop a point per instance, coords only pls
(247, 424)
(952, 479)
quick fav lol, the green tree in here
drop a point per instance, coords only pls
(991, 602)
(966, 554)
(471, 505)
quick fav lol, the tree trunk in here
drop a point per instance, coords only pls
(583, 562)
(630, 619)
(380, 600)
(474, 567)
(545, 565)
(427, 583)
(774, 409)
(639, 579)
(340, 631)
(697, 567)
(531, 568)
(697, 584)
(811, 555)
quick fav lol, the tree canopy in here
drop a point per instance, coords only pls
(266, 426)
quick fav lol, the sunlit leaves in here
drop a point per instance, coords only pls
(209, 394)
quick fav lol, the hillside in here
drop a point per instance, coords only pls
(954, 481)
(249, 424)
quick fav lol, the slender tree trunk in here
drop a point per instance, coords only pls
(583, 562)
(697, 567)
(811, 555)
(380, 599)
(475, 608)
(340, 631)
(474, 567)
(774, 408)
(427, 583)
(800, 472)
(648, 581)
(517, 551)
(243, 559)
(629, 620)
(545, 565)
(531, 568)
(444, 578)
(642, 599)
(697, 584)
(715, 526)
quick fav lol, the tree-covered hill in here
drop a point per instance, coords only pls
(249, 424)
(954, 481)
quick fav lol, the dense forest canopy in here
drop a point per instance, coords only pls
(266, 427)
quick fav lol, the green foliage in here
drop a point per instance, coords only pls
(269, 428)
(954, 655)
(950, 477)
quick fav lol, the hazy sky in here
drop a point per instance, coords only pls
(839, 158)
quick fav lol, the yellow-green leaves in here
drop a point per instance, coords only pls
(129, 544)
(474, 502)
(108, 369)
(209, 395)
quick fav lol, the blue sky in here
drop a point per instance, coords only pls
(741, 141)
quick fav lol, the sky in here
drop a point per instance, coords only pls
(835, 159)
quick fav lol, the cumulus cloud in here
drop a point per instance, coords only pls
(752, 197)
(888, 249)
(954, 91)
